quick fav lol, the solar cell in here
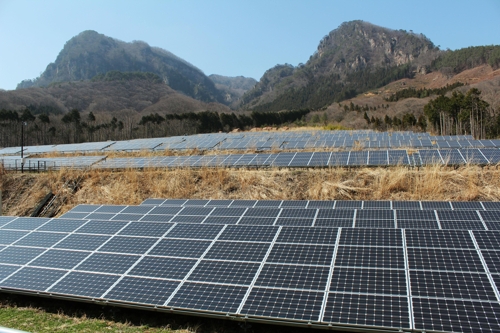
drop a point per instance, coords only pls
(225, 272)
(142, 290)
(305, 213)
(459, 285)
(221, 220)
(367, 310)
(257, 221)
(283, 303)
(19, 255)
(62, 225)
(84, 284)
(249, 233)
(147, 229)
(487, 240)
(294, 222)
(195, 231)
(60, 259)
(301, 254)
(10, 236)
(108, 263)
(30, 278)
(365, 256)
(372, 281)
(445, 259)
(40, 239)
(293, 276)
(371, 237)
(132, 245)
(101, 227)
(208, 297)
(455, 315)
(334, 223)
(237, 251)
(180, 248)
(24, 223)
(167, 268)
(439, 239)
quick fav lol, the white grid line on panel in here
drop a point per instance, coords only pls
(310, 158)
(329, 158)
(354, 218)
(330, 276)
(408, 280)
(194, 266)
(421, 207)
(252, 284)
(485, 266)
(279, 214)
(487, 160)
(315, 217)
(395, 213)
(90, 253)
(243, 214)
(47, 249)
(292, 159)
(137, 261)
(462, 156)
(206, 216)
(437, 220)
(482, 221)
(484, 208)
(440, 156)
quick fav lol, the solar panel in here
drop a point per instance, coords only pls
(372, 278)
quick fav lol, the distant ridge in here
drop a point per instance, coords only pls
(90, 53)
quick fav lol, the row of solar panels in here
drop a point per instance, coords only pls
(345, 278)
(300, 159)
(375, 217)
(314, 204)
(269, 140)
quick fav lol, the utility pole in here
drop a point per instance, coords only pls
(22, 145)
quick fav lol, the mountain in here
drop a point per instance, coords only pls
(232, 87)
(90, 53)
(112, 92)
(353, 58)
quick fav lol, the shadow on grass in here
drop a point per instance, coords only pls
(137, 317)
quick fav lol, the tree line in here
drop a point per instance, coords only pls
(407, 122)
(463, 114)
(454, 62)
(421, 93)
(77, 127)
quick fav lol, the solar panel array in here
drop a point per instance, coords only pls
(271, 140)
(297, 159)
(194, 258)
(313, 159)
(49, 163)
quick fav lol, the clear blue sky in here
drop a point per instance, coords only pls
(233, 37)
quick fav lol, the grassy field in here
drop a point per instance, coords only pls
(40, 315)
(22, 192)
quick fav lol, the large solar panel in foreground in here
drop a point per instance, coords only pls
(376, 279)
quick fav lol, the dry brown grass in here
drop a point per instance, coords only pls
(22, 192)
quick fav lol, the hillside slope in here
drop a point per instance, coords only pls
(90, 53)
(351, 59)
(140, 94)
